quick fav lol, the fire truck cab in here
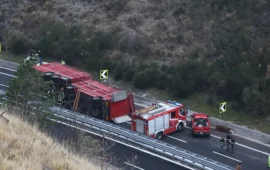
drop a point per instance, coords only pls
(160, 119)
(200, 124)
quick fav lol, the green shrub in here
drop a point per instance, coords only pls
(141, 80)
(162, 81)
(118, 72)
(129, 73)
(19, 46)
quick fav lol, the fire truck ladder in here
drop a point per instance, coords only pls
(76, 101)
(147, 109)
(134, 138)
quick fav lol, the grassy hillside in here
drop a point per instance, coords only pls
(24, 147)
(217, 48)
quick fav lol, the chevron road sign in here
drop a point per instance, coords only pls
(104, 74)
(222, 107)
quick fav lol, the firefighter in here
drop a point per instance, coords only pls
(228, 141)
(221, 142)
(232, 144)
(40, 57)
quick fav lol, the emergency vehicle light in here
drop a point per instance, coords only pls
(174, 103)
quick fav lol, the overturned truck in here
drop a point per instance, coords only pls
(76, 90)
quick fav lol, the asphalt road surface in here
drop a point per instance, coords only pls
(123, 156)
(252, 155)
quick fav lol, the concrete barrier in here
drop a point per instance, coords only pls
(238, 130)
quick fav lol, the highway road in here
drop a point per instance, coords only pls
(252, 155)
(123, 155)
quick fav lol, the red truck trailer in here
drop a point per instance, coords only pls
(159, 119)
(76, 90)
(200, 124)
(98, 100)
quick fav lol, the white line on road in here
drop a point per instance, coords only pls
(3, 85)
(226, 156)
(122, 143)
(133, 166)
(239, 144)
(8, 69)
(7, 74)
(176, 139)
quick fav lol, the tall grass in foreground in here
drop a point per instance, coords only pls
(23, 147)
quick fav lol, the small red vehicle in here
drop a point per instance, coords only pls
(200, 124)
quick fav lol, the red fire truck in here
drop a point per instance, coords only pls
(200, 124)
(76, 90)
(160, 119)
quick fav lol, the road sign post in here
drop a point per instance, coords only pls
(222, 107)
(104, 74)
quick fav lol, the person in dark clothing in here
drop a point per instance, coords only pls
(229, 136)
(232, 144)
(221, 142)
(228, 141)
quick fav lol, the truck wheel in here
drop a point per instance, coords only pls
(180, 127)
(159, 135)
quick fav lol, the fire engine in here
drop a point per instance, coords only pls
(200, 124)
(160, 119)
(75, 89)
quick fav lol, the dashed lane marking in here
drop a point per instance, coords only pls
(133, 166)
(177, 139)
(227, 156)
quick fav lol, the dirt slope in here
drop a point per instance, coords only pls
(23, 147)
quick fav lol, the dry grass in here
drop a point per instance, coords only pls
(23, 147)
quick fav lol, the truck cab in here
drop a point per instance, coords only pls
(200, 124)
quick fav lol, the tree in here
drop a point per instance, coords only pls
(28, 89)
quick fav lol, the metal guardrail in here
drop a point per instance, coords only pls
(142, 140)
(155, 145)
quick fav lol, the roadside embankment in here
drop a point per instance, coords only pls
(25, 147)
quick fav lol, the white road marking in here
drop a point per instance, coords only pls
(134, 166)
(226, 156)
(176, 139)
(122, 143)
(8, 69)
(7, 74)
(3, 85)
(252, 140)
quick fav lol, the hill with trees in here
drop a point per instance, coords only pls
(220, 48)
